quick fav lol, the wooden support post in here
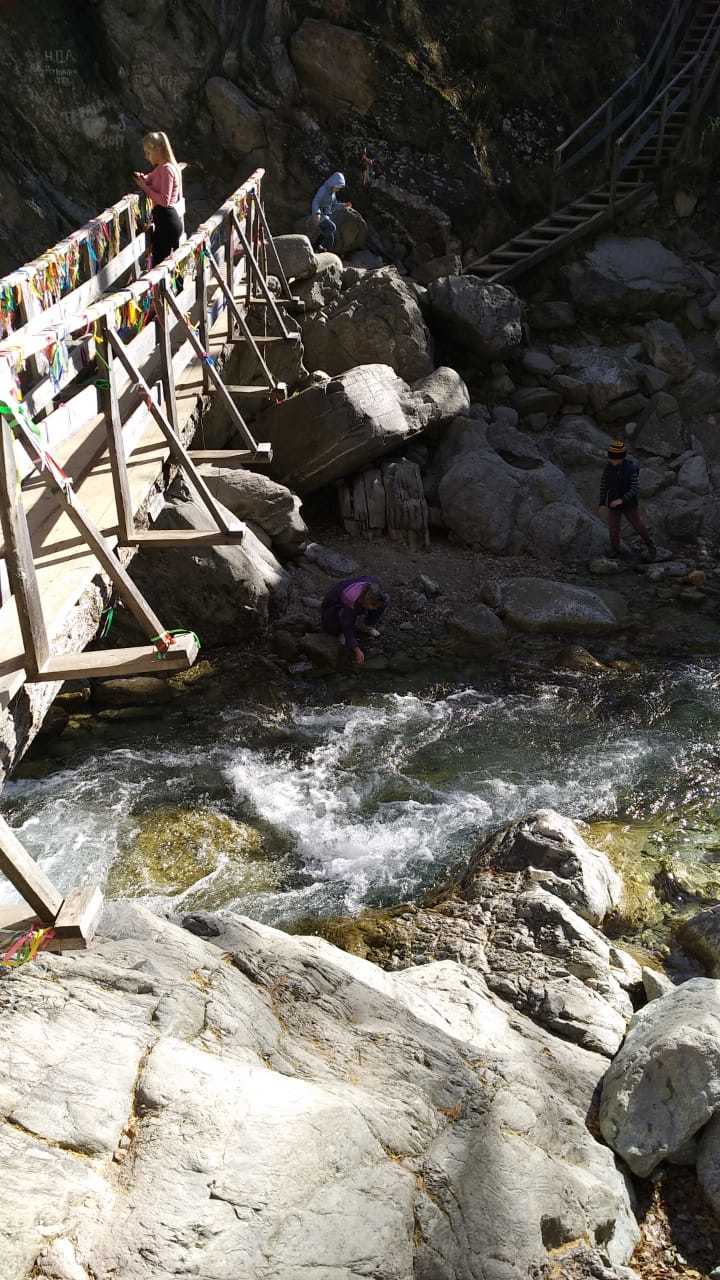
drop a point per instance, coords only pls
(77, 919)
(201, 284)
(177, 448)
(109, 562)
(133, 237)
(116, 448)
(214, 376)
(165, 343)
(19, 556)
(27, 877)
(262, 281)
(287, 293)
(242, 322)
(229, 270)
(248, 263)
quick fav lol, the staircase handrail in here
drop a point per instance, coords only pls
(702, 86)
(640, 80)
(650, 123)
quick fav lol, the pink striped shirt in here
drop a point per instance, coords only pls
(162, 185)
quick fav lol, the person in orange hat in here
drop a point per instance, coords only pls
(619, 492)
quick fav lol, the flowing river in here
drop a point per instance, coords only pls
(312, 807)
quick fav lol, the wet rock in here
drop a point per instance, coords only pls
(541, 605)
(238, 123)
(700, 935)
(623, 276)
(253, 496)
(479, 631)
(297, 256)
(563, 864)
(575, 658)
(664, 1084)
(668, 351)
(131, 691)
(323, 651)
(376, 321)
(55, 722)
(485, 318)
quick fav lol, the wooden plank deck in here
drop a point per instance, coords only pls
(64, 564)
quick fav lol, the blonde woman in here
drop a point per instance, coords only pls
(164, 187)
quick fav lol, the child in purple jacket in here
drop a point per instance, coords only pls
(351, 606)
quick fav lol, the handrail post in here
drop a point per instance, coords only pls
(555, 180)
(661, 129)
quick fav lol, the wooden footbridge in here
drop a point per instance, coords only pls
(104, 372)
(642, 129)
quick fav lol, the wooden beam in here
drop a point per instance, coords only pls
(116, 447)
(259, 457)
(177, 448)
(201, 297)
(157, 539)
(27, 877)
(235, 311)
(261, 281)
(19, 555)
(78, 917)
(163, 326)
(260, 212)
(120, 662)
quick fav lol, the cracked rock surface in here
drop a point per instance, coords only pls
(246, 1103)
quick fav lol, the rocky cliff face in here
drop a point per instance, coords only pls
(455, 102)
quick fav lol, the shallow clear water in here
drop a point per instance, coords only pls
(365, 803)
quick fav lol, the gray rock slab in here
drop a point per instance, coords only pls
(485, 318)
(541, 605)
(664, 1084)
(621, 276)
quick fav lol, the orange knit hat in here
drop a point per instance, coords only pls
(617, 450)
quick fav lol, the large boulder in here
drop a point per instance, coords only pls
(666, 348)
(257, 499)
(237, 121)
(324, 287)
(222, 592)
(335, 428)
(352, 231)
(622, 276)
(701, 936)
(508, 499)
(335, 64)
(563, 863)
(540, 605)
(298, 258)
(664, 1084)
(607, 375)
(210, 1110)
(485, 318)
(377, 320)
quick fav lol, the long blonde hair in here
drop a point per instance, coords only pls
(159, 142)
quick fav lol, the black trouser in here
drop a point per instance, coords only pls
(166, 232)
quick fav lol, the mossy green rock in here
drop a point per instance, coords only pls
(170, 849)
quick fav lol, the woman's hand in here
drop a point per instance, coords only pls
(139, 178)
(359, 656)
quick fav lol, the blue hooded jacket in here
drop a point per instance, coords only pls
(325, 199)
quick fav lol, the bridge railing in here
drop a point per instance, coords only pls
(600, 128)
(62, 394)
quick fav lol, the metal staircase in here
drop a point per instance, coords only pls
(632, 138)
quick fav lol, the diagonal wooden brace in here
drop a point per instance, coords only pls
(262, 282)
(177, 448)
(213, 373)
(237, 313)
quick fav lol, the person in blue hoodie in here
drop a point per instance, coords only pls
(324, 205)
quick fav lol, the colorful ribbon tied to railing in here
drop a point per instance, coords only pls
(24, 947)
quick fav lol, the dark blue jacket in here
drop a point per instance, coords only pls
(621, 482)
